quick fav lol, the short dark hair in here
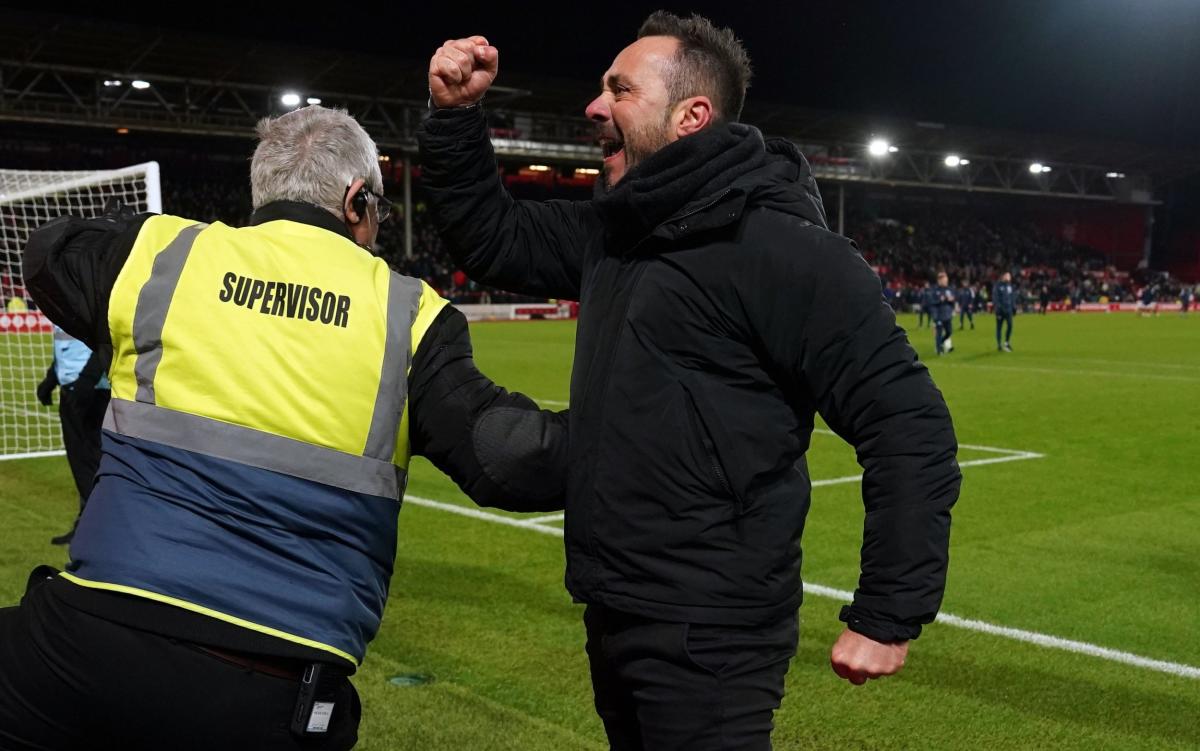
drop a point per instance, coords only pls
(710, 62)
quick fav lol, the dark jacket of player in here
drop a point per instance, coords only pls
(929, 300)
(1004, 298)
(718, 317)
(966, 299)
(943, 303)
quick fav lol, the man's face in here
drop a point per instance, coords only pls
(943, 280)
(1007, 277)
(633, 113)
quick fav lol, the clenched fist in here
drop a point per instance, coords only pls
(461, 71)
(858, 658)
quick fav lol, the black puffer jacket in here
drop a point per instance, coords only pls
(718, 316)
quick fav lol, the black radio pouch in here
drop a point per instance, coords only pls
(315, 702)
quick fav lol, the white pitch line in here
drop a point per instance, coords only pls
(836, 481)
(32, 455)
(547, 518)
(998, 460)
(1046, 641)
(1060, 371)
(994, 450)
(1126, 364)
(1013, 452)
(552, 402)
(484, 515)
(961, 465)
(1070, 645)
(1010, 455)
(1033, 637)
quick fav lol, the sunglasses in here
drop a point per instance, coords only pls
(383, 207)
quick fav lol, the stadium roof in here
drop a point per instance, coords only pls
(30, 40)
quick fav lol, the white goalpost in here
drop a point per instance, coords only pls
(29, 199)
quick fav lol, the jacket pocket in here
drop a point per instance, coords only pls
(716, 467)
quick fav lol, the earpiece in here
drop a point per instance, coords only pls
(359, 203)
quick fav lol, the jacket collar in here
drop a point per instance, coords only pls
(304, 213)
(704, 182)
(680, 179)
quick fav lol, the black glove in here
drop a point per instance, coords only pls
(91, 374)
(45, 389)
(117, 210)
(83, 391)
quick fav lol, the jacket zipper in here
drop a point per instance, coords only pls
(698, 209)
(716, 467)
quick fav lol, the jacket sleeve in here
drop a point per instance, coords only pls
(70, 266)
(836, 339)
(530, 247)
(497, 446)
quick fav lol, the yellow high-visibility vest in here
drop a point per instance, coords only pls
(256, 443)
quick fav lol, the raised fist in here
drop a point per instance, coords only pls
(461, 71)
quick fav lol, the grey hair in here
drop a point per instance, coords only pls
(312, 155)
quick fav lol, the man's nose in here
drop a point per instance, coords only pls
(598, 110)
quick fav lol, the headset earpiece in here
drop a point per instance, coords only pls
(359, 204)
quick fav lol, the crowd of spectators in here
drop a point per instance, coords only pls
(974, 253)
(907, 254)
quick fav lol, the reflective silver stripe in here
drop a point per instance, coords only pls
(404, 299)
(255, 448)
(154, 300)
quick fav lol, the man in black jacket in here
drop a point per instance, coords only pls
(967, 297)
(943, 314)
(718, 316)
(1004, 305)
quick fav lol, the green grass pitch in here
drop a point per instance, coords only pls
(1096, 539)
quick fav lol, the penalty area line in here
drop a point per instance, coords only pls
(1045, 641)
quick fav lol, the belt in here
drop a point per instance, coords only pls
(280, 667)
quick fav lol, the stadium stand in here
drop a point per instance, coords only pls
(906, 252)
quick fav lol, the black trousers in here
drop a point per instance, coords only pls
(663, 686)
(70, 680)
(81, 413)
(943, 330)
(1001, 319)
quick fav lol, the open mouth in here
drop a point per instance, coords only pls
(611, 147)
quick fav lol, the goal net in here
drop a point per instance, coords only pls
(29, 199)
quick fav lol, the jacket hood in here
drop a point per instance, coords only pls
(785, 183)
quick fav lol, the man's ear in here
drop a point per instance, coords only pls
(693, 115)
(352, 216)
